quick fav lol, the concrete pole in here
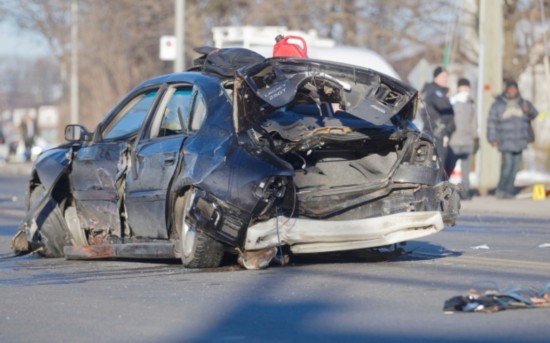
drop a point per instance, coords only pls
(546, 63)
(179, 62)
(490, 84)
(74, 62)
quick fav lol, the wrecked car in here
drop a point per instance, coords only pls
(243, 156)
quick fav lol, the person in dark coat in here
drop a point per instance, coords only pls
(464, 141)
(509, 130)
(28, 131)
(438, 114)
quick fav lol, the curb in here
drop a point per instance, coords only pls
(17, 168)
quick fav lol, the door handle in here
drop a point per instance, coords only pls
(169, 158)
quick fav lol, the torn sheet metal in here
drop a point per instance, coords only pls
(51, 166)
(311, 236)
(258, 259)
(160, 250)
(19, 242)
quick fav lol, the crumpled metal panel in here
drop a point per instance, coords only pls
(157, 250)
(100, 217)
(51, 164)
(367, 94)
(97, 179)
(313, 236)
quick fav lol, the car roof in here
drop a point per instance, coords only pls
(189, 76)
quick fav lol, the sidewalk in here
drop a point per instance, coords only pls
(15, 168)
(522, 206)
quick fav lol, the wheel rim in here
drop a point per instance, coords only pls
(188, 232)
(188, 238)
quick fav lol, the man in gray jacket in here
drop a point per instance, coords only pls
(509, 129)
(464, 141)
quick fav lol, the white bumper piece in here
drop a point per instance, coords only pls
(312, 236)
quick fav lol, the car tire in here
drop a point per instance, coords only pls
(52, 232)
(198, 250)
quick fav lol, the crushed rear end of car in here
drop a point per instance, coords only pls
(363, 175)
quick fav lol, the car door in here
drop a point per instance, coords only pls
(99, 168)
(155, 160)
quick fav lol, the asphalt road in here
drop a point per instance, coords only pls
(327, 298)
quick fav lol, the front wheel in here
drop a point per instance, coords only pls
(198, 250)
(52, 233)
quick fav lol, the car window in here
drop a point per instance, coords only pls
(131, 117)
(198, 113)
(175, 119)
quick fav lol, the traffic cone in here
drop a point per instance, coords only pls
(456, 174)
(539, 192)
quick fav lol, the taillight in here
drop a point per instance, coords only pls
(272, 187)
(423, 153)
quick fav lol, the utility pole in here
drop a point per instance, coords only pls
(74, 62)
(179, 62)
(491, 45)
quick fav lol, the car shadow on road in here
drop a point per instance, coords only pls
(48, 271)
(411, 251)
(424, 250)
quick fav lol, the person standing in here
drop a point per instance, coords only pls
(27, 134)
(3, 146)
(464, 141)
(509, 130)
(438, 114)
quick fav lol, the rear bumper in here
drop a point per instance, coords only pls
(313, 236)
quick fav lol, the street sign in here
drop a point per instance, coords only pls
(167, 51)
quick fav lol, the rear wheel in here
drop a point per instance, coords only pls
(52, 233)
(198, 250)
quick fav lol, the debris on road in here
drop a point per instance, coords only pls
(479, 247)
(544, 245)
(491, 300)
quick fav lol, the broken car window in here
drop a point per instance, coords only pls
(131, 117)
(199, 112)
(176, 114)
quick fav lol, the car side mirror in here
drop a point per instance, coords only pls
(75, 133)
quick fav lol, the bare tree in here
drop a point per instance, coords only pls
(118, 43)
(523, 30)
(118, 48)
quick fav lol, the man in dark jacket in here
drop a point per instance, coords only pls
(509, 129)
(28, 134)
(438, 115)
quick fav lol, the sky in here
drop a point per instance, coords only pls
(18, 43)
